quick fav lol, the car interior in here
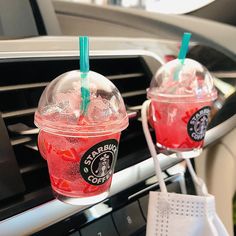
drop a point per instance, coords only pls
(39, 41)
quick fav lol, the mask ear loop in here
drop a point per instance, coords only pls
(191, 170)
(199, 184)
(151, 146)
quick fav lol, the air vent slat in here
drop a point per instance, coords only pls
(224, 74)
(44, 84)
(32, 110)
(22, 129)
(135, 108)
(21, 140)
(32, 145)
(133, 93)
(23, 112)
(22, 86)
(125, 76)
(32, 167)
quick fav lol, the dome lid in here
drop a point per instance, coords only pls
(177, 82)
(59, 110)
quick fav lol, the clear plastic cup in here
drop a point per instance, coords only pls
(181, 98)
(80, 147)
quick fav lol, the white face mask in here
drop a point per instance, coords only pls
(171, 214)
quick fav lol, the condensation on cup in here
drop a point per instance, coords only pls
(80, 147)
(181, 98)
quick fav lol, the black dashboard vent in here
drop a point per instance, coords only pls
(20, 90)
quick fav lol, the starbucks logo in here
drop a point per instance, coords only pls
(98, 162)
(197, 124)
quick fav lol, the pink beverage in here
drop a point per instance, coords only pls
(80, 149)
(65, 155)
(171, 121)
(181, 98)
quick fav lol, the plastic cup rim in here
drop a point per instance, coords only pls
(79, 131)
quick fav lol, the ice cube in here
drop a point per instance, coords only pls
(51, 109)
(68, 101)
(99, 110)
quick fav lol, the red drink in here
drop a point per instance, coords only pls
(181, 94)
(80, 145)
(180, 126)
(64, 155)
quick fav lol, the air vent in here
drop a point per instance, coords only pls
(20, 90)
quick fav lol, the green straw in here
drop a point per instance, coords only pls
(84, 69)
(184, 47)
(182, 53)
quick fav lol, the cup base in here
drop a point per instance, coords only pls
(186, 153)
(80, 201)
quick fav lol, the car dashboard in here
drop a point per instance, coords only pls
(27, 205)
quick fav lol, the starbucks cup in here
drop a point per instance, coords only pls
(181, 97)
(80, 146)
